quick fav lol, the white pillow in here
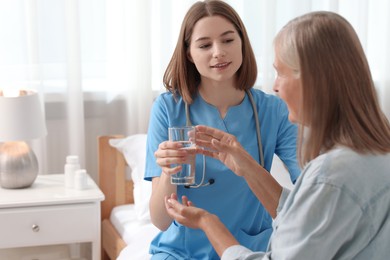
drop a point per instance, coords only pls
(134, 150)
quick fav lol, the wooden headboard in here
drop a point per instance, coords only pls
(117, 191)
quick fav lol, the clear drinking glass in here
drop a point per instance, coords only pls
(186, 136)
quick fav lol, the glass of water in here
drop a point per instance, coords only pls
(186, 136)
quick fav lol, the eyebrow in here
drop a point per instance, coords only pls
(206, 38)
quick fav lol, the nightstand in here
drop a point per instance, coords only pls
(49, 214)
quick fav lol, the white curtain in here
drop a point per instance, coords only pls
(98, 64)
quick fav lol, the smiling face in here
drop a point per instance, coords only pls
(288, 87)
(215, 49)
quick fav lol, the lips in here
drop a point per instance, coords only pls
(221, 65)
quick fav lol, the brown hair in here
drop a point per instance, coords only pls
(340, 104)
(181, 76)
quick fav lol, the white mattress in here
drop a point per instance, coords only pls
(137, 234)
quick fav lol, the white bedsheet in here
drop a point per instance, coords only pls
(137, 234)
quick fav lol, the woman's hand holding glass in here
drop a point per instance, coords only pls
(171, 153)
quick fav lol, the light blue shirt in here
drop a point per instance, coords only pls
(229, 197)
(338, 209)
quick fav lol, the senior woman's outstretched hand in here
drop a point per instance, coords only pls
(224, 147)
(188, 215)
(184, 213)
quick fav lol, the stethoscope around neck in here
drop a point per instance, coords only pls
(258, 135)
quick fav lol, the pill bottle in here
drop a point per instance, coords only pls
(71, 166)
(80, 179)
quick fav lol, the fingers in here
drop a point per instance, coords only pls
(174, 196)
(213, 140)
(171, 201)
(219, 146)
(173, 206)
(206, 135)
(205, 144)
(210, 153)
(170, 145)
(170, 153)
(167, 162)
(185, 201)
(210, 132)
(168, 170)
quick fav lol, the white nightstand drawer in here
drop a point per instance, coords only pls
(48, 225)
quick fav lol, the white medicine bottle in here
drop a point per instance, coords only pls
(71, 166)
(80, 179)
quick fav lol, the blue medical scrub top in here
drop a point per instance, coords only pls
(229, 197)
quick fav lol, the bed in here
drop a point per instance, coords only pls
(126, 226)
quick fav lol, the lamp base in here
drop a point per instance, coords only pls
(18, 165)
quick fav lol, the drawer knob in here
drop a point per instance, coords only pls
(35, 228)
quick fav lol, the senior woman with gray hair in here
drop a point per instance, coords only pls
(339, 207)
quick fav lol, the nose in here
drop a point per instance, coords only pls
(218, 51)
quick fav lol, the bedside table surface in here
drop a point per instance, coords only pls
(49, 190)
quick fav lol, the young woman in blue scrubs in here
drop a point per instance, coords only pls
(211, 69)
(340, 205)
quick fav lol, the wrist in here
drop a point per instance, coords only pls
(166, 177)
(165, 183)
(249, 168)
(207, 220)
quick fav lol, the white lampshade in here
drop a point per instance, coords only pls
(21, 117)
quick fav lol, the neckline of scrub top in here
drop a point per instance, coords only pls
(231, 108)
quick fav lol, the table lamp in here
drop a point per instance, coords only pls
(21, 119)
